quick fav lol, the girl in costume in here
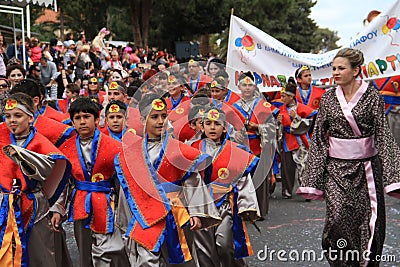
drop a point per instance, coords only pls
(232, 189)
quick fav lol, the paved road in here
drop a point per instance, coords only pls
(295, 226)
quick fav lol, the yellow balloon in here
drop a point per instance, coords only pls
(385, 29)
(250, 48)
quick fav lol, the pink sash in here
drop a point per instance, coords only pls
(361, 148)
(346, 108)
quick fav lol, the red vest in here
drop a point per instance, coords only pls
(56, 132)
(21, 222)
(133, 121)
(62, 105)
(146, 201)
(170, 106)
(100, 207)
(386, 87)
(260, 112)
(313, 98)
(290, 141)
(231, 97)
(51, 113)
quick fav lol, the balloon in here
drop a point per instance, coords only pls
(391, 22)
(250, 48)
(397, 26)
(385, 29)
(247, 41)
(238, 42)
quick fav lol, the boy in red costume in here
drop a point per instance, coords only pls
(93, 198)
(164, 193)
(33, 174)
(296, 119)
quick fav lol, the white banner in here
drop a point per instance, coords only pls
(250, 49)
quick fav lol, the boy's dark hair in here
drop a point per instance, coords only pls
(200, 99)
(146, 102)
(194, 113)
(24, 100)
(84, 104)
(119, 103)
(29, 87)
(73, 88)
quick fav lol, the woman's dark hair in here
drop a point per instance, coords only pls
(218, 62)
(12, 67)
(84, 104)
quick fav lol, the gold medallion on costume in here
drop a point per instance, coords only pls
(267, 104)
(214, 84)
(114, 108)
(171, 79)
(223, 173)
(113, 86)
(93, 80)
(191, 62)
(213, 115)
(11, 104)
(201, 111)
(157, 104)
(315, 103)
(97, 177)
(132, 130)
(179, 110)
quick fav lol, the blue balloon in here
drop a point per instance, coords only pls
(238, 42)
(397, 26)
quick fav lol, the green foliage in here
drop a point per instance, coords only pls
(186, 20)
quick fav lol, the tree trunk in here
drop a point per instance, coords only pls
(135, 14)
(61, 24)
(146, 13)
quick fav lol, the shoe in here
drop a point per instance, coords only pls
(286, 196)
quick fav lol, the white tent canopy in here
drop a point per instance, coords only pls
(16, 7)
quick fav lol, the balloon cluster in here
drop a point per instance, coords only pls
(392, 24)
(245, 41)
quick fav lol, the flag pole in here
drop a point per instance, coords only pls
(229, 38)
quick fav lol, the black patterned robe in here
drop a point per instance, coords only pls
(350, 219)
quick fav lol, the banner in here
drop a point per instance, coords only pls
(272, 62)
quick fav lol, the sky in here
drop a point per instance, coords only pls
(346, 16)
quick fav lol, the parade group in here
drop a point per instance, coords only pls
(160, 163)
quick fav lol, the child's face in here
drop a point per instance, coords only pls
(69, 94)
(116, 121)
(287, 99)
(155, 123)
(116, 95)
(213, 129)
(85, 123)
(247, 90)
(18, 122)
(196, 125)
(218, 93)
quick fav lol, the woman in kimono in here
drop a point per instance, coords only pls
(352, 161)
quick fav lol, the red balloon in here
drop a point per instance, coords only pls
(247, 41)
(391, 22)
